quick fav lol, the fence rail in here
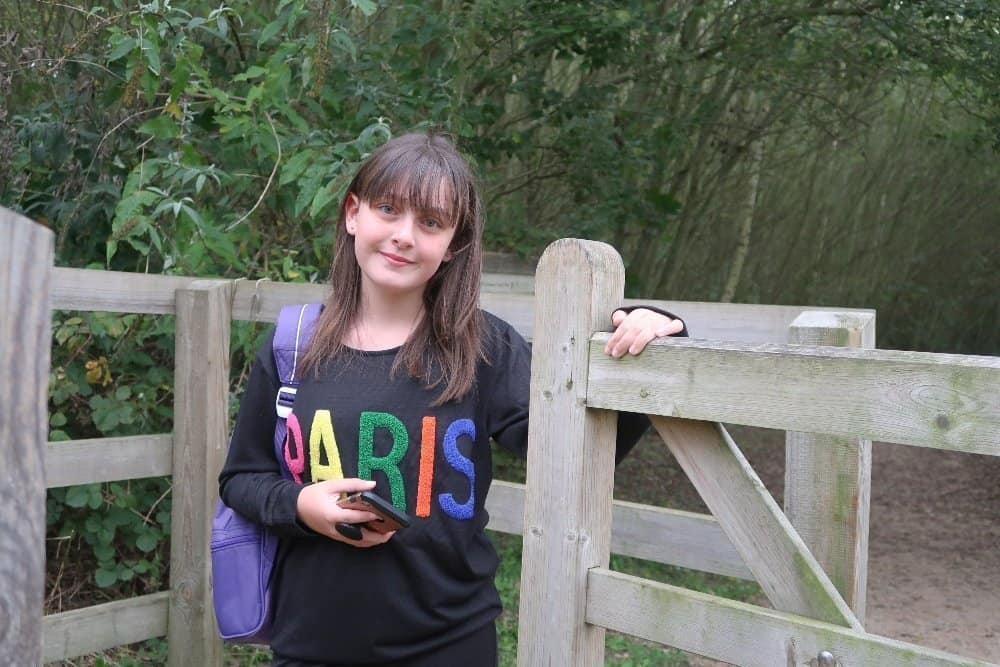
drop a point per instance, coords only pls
(687, 387)
(943, 401)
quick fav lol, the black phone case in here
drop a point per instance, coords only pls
(390, 517)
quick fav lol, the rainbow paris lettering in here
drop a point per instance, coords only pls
(325, 458)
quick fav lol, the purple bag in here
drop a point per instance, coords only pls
(243, 551)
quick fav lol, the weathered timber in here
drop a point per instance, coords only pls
(100, 627)
(567, 517)
(201, 381)
(739, 322)
(658, 534)
(740, 633)
(25, 267)
(827, 477)
(781, 563)
(503, 294)
(947, 401)
(72, 462)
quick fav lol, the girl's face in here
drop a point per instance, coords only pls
(398, 249)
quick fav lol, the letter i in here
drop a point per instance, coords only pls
(426, 481)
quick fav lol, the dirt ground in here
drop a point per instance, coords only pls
(934, 543)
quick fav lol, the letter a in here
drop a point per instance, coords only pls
(321, 436)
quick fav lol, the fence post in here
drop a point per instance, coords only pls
(567, 518)
(25, 344)
(828, 478)
(201, 402)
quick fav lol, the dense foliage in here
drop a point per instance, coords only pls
(781, 151)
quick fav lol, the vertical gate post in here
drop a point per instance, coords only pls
(571, 452)
(201, 402)
(828, 478)
(25, 345)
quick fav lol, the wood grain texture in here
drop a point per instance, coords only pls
(74, 633)
(504, 292)
(567, 517)
(946, 401)
(739, 322)
(25, 334)
(658, 534)
(828, 478)
(72, 462)
(201, 381)
(742, 634)
(789, 575)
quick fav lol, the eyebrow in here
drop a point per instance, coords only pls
(435, 212)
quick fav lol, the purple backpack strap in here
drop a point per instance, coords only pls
(291, 336)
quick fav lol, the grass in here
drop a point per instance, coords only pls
(620, 650)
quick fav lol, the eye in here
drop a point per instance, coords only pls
(432, 223)
(387, 209)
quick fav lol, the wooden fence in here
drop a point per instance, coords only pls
(811, 563)
(850, 395)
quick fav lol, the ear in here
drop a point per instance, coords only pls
(351, 206)
(447, 256)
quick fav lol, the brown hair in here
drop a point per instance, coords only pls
(447, 343)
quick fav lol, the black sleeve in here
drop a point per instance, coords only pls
(508, 386)
(250, 481)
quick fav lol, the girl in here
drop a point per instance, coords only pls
(405, 382)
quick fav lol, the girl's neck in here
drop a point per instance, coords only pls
(384, 323)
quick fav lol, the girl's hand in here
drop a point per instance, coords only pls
(634, 330)
(317, 508)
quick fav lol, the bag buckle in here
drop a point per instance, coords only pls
(285, 401)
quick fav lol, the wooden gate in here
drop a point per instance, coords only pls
(810, 562)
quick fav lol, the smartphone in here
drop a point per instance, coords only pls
(389, 518)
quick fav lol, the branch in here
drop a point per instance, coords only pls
(270, 179)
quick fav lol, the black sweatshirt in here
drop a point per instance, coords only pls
(431, 583)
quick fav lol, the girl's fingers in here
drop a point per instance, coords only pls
(641, 341)
(635, 330)
(672, 327)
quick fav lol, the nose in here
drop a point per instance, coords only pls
(402, 232)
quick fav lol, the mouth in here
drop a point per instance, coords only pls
(396, 260)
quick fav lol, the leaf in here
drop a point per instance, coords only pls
(123, 393)
(323, 197)
(105, 578)
(146, 542)
(104, 552)
(77, 496)
(152, 52)
(367, 7)
(110, 249)
(269, 31)
(161, 127)
(295, 165)
(121, 48)
(253, 72)
(96, 500)
(344, 41)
